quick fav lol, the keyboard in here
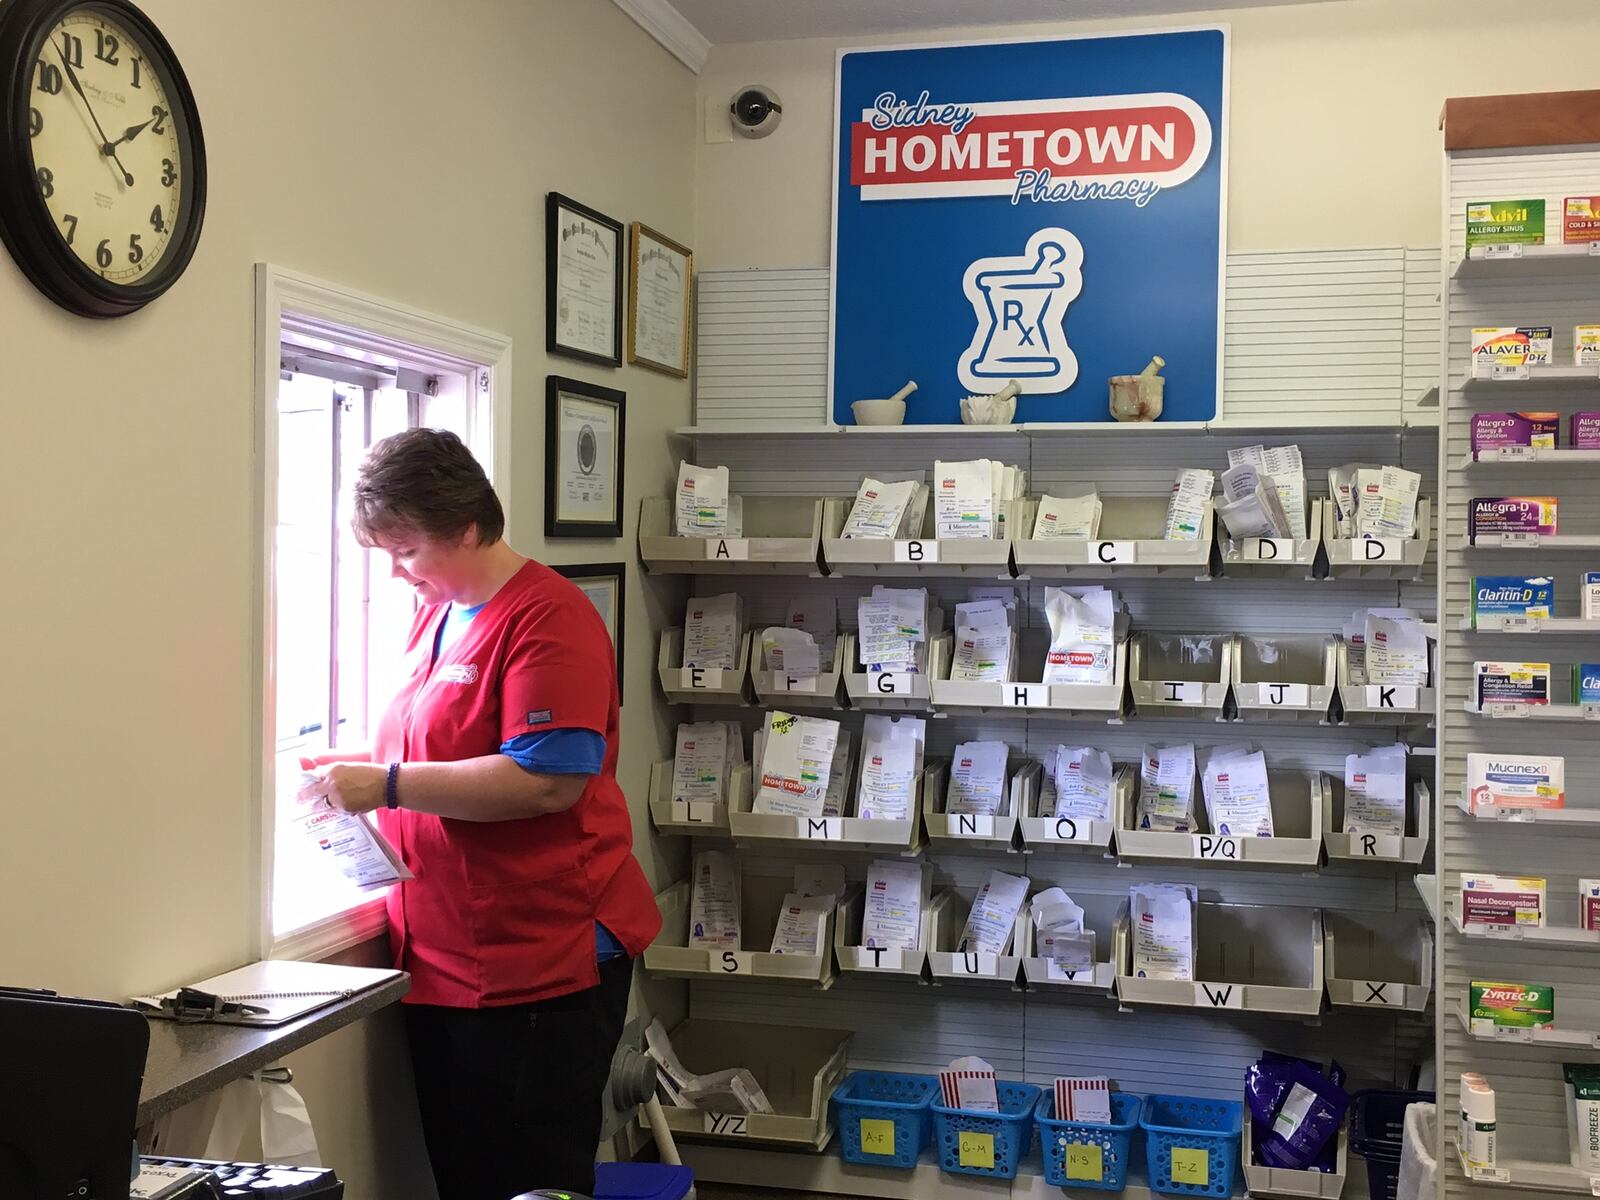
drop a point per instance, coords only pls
(259, 1181)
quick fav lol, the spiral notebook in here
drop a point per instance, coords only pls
(275, 991)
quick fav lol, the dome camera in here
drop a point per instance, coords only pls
(756, 110)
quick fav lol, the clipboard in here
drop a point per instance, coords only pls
(265, 994)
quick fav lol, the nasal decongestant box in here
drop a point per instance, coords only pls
(1513, 596)
(1503, 900)
(1589, 904)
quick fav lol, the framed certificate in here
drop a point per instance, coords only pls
(582, 282)
(606, 585)
(659, 288)
(582, 459)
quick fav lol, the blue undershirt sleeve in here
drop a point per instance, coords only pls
(558, 751)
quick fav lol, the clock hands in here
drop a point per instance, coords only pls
(128, 135)
(105, 142)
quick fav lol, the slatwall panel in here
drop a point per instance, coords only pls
(1037, 1035)
(1423, 309)
(1526, 1079)
(1310, 338)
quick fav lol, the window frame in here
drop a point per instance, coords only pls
(300, 303)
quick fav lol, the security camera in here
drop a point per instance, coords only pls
(756, 110)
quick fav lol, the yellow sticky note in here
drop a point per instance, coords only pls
(877, 1137)
(977, 1150)
(1086, 1162)
(1191, 1166)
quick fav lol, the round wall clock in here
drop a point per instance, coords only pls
(102, 166)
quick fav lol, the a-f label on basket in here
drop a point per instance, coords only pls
(728, 549)
(916, 552)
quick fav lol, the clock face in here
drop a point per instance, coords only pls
(107, 156)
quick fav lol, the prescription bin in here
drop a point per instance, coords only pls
(986, 1143)
(1080, 1155)
(1192, 1144)
(885, 1119)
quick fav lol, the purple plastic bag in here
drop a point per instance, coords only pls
(1307, 1121)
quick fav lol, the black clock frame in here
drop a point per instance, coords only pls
(26, 225)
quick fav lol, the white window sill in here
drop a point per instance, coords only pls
(327, 937)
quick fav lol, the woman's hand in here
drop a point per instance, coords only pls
(352, 787)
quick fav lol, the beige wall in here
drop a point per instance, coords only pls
(1333, 131)
(398, 150)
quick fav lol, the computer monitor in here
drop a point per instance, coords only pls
(68, 1108)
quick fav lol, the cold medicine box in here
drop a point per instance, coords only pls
(1490, 431)
(1495, 516)
(1505, 222)
(1516, 781)
(1586, 683)
(1591, 596)
(1511, 683)
(1502, 900)
(1513, 596)
(1510, 346)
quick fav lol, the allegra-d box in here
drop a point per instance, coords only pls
(1511, 346)
(1513, 596)
(1503, 900)
(1585, 430)
(1514, 1005)
(1516, 781)
(1511, 682)
(1586, 683)
(1589, 904)
(1542, 429)
(1491, 516)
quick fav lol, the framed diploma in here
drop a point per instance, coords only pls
(658, 302)
(582, 459)
(582, 282)
(606, 585)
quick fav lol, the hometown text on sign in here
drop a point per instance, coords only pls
(1049, 211)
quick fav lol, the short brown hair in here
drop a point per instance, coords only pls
(424, 481)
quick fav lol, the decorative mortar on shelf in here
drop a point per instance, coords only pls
(1138, 397)
(890, 410)
(997, 409)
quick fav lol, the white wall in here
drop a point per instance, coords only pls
(1334, 136)
(400, 150)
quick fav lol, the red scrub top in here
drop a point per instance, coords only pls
(503, 912)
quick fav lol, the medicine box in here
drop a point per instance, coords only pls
(1516, 781)
(1512, 682)
(1503, 900)
(1586, 345)
(1589, 904)
(1514, 1005)
(1591, 596)
(1511, 346)
(1585, 430)
(1491, 430)
(1504, 222)
(1513, 596)
(1580, 219)
(1494, 515)
(1586, 683)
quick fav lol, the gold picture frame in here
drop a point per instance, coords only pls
(661, 278)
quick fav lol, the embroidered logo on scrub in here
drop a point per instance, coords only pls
(459, 673)
(539, 716)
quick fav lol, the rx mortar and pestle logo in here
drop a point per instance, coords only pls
(1020, 303)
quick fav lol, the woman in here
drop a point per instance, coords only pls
(493, 772)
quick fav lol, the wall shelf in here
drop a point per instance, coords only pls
(1505, 814)
(1548, 935)
(1537, 542)
(1536, 712)
(1537, 1176)
(1490, 623)
(1529, 262)
(1587, 1039)
(1526, 456)
(1538, 379)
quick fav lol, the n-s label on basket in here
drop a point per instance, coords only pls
(976, 1150)
(1086, 1162)
(1191, 1166)
(877, 1137)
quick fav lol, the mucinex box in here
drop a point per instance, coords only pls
(1511, 346)
(1491, 516)
(1512, 682)
(1503, 900)
(1516, 781)
(1513, 596)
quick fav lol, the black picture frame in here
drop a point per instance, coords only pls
(580, 573)
(555, 204)
(558, 519)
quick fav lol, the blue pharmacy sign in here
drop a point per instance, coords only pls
(1046, 211)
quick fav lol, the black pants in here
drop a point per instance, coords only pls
(510, 1097)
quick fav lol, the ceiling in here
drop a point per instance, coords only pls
(722, 21)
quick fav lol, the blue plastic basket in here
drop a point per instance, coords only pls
(1187, 1123)
(1114, 1140)
(1009, 1133)
(903, 1100)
